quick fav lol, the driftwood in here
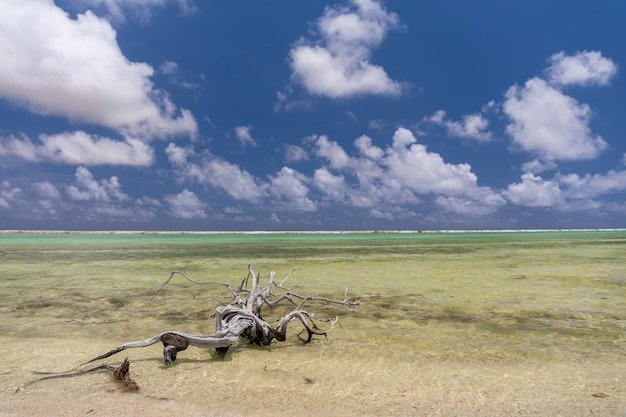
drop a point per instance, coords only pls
(243, 318)
(121, 374)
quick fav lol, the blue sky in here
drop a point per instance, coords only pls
(277, 115)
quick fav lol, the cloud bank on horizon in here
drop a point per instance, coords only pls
(355, 115)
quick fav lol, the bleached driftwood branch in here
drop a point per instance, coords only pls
(242, 318)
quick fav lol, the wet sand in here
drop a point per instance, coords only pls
(326, 379)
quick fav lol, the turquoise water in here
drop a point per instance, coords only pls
(458, 274)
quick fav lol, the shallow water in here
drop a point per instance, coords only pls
(461, 309)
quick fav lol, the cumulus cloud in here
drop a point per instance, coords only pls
(8, 194)
(114, 212)
(583, 68)
(534, 191)
(339, 64)
(593, 185)
(287, 189)
(244, 136)
(87, 199)
(237, 182)
(289, 186)
(549, 123)
(87, 188)
(295, 153)
(471, 126)
(537, 166)
(465, 206)
(47, 190)
(426, 172)
(79, 148)
(364, 145)
(19, 146)
(566, 192)
(185, 205)
(55, 65)
(332, 152)
(395, 175)
(334, 186)
(211, 171)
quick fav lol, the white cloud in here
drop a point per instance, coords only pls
(384, 215)
(624, 158)
(583, 68)
(549, 123)
(87, 188)
(79, 148)
(332, 152)
(566, 192)
(169, 68)
(289, 186)
(332, 185)
(244, 135)
(8, 194)
(394, 175)
(339, 65)
(537, 166)
(239, 183)
(426, 172)
(47, 190)
(113, 212)
(364, 145)
(55, 65)
(185, 205)
(589, 185)
(209, 170)
(295, 153)
(86, 200)
(233, 210)
(20, 146)
(119, 9)
(534, 191)
(470, 126)
(465, 206)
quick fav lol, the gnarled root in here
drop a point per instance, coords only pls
(120, 373)
(244, 317)
(172, 344)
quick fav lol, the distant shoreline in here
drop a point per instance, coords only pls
(293, 232)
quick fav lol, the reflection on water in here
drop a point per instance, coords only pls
(528, 297)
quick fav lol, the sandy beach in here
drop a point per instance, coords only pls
(335, 383)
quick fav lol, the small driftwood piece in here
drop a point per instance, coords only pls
(120, 373)
(243, 318)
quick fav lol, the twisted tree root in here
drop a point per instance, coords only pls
(242, 317)
(120, 373)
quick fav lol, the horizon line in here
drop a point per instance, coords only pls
(260, 232)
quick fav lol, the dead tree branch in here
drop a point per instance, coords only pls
(243, 317)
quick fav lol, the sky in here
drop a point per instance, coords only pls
(311, 115)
